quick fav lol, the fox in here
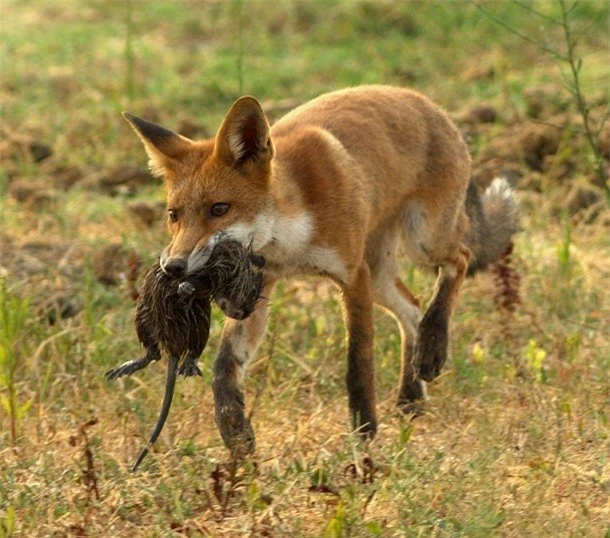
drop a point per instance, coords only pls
(340, 187)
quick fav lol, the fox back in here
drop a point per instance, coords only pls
(334, 188)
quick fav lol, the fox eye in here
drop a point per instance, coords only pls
(219, 209)
(173, 215)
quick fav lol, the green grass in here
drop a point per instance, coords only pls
(515, 439)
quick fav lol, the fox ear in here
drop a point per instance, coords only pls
(162, 145)
(243, 137)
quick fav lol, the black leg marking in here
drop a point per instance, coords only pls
(360, 387)
(411, 394)
(234, 427)
(360, 365)
(433, 335)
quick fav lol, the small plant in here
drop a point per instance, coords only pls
(534, 357)
(406, 430)
(478, 353)
(573, 84)
(7, 523)
(257, 500)
(572, 346)
(507, 280)
(3, 193)
(14, 312)
(89, 472)
(507, 297)
(337, 524)
(570, 65)
(563, 247)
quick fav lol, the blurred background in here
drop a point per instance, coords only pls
(515, 440)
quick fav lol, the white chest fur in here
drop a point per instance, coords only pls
(286, 244)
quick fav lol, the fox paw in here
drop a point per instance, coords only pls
(364, 423)
(367, 431)
(413, 408)
(243, 443)
(412, 397)
(235, 429)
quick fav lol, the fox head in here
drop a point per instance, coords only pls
(216, 188)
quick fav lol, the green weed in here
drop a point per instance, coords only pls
(514, 436)
(534, 359)
(571, 66)
(14, 314)
(563, 248)
(8, 523)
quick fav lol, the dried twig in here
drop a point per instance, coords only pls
(507, 280)
(89, 473)
(507, 295)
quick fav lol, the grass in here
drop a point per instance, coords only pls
(515, 438)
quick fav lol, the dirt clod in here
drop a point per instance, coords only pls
(481, 114)
(604, 141)
(34, 194)
(23, 189)
(536, 142)
(122, 179)
(59, 307)
(108, 262)
(192, 129)
(144, 212)
(581, 197)
(479, 72)
(40, 151)
(64, 177)
(545, 100)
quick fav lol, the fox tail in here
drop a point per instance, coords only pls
(494, 218)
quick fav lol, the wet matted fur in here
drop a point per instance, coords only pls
(173, 316)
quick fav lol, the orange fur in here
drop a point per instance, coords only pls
(330, 189)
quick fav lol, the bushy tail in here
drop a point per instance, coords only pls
(494, 218)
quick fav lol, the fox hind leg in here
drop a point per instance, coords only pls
(392, 295)
(433, 229)
(432, 341)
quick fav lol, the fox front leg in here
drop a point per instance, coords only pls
(240, 340)
(235, 429)
(358, 300)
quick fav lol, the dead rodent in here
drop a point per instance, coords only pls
(173, 316)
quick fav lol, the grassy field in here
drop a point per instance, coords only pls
(515, 439)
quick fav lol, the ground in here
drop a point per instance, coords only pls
(515, 437)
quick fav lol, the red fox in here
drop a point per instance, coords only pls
(334, 188)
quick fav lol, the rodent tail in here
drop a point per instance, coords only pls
(170, 385)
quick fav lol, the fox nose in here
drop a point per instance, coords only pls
(174, 267)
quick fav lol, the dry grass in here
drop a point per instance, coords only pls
(515, 441)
